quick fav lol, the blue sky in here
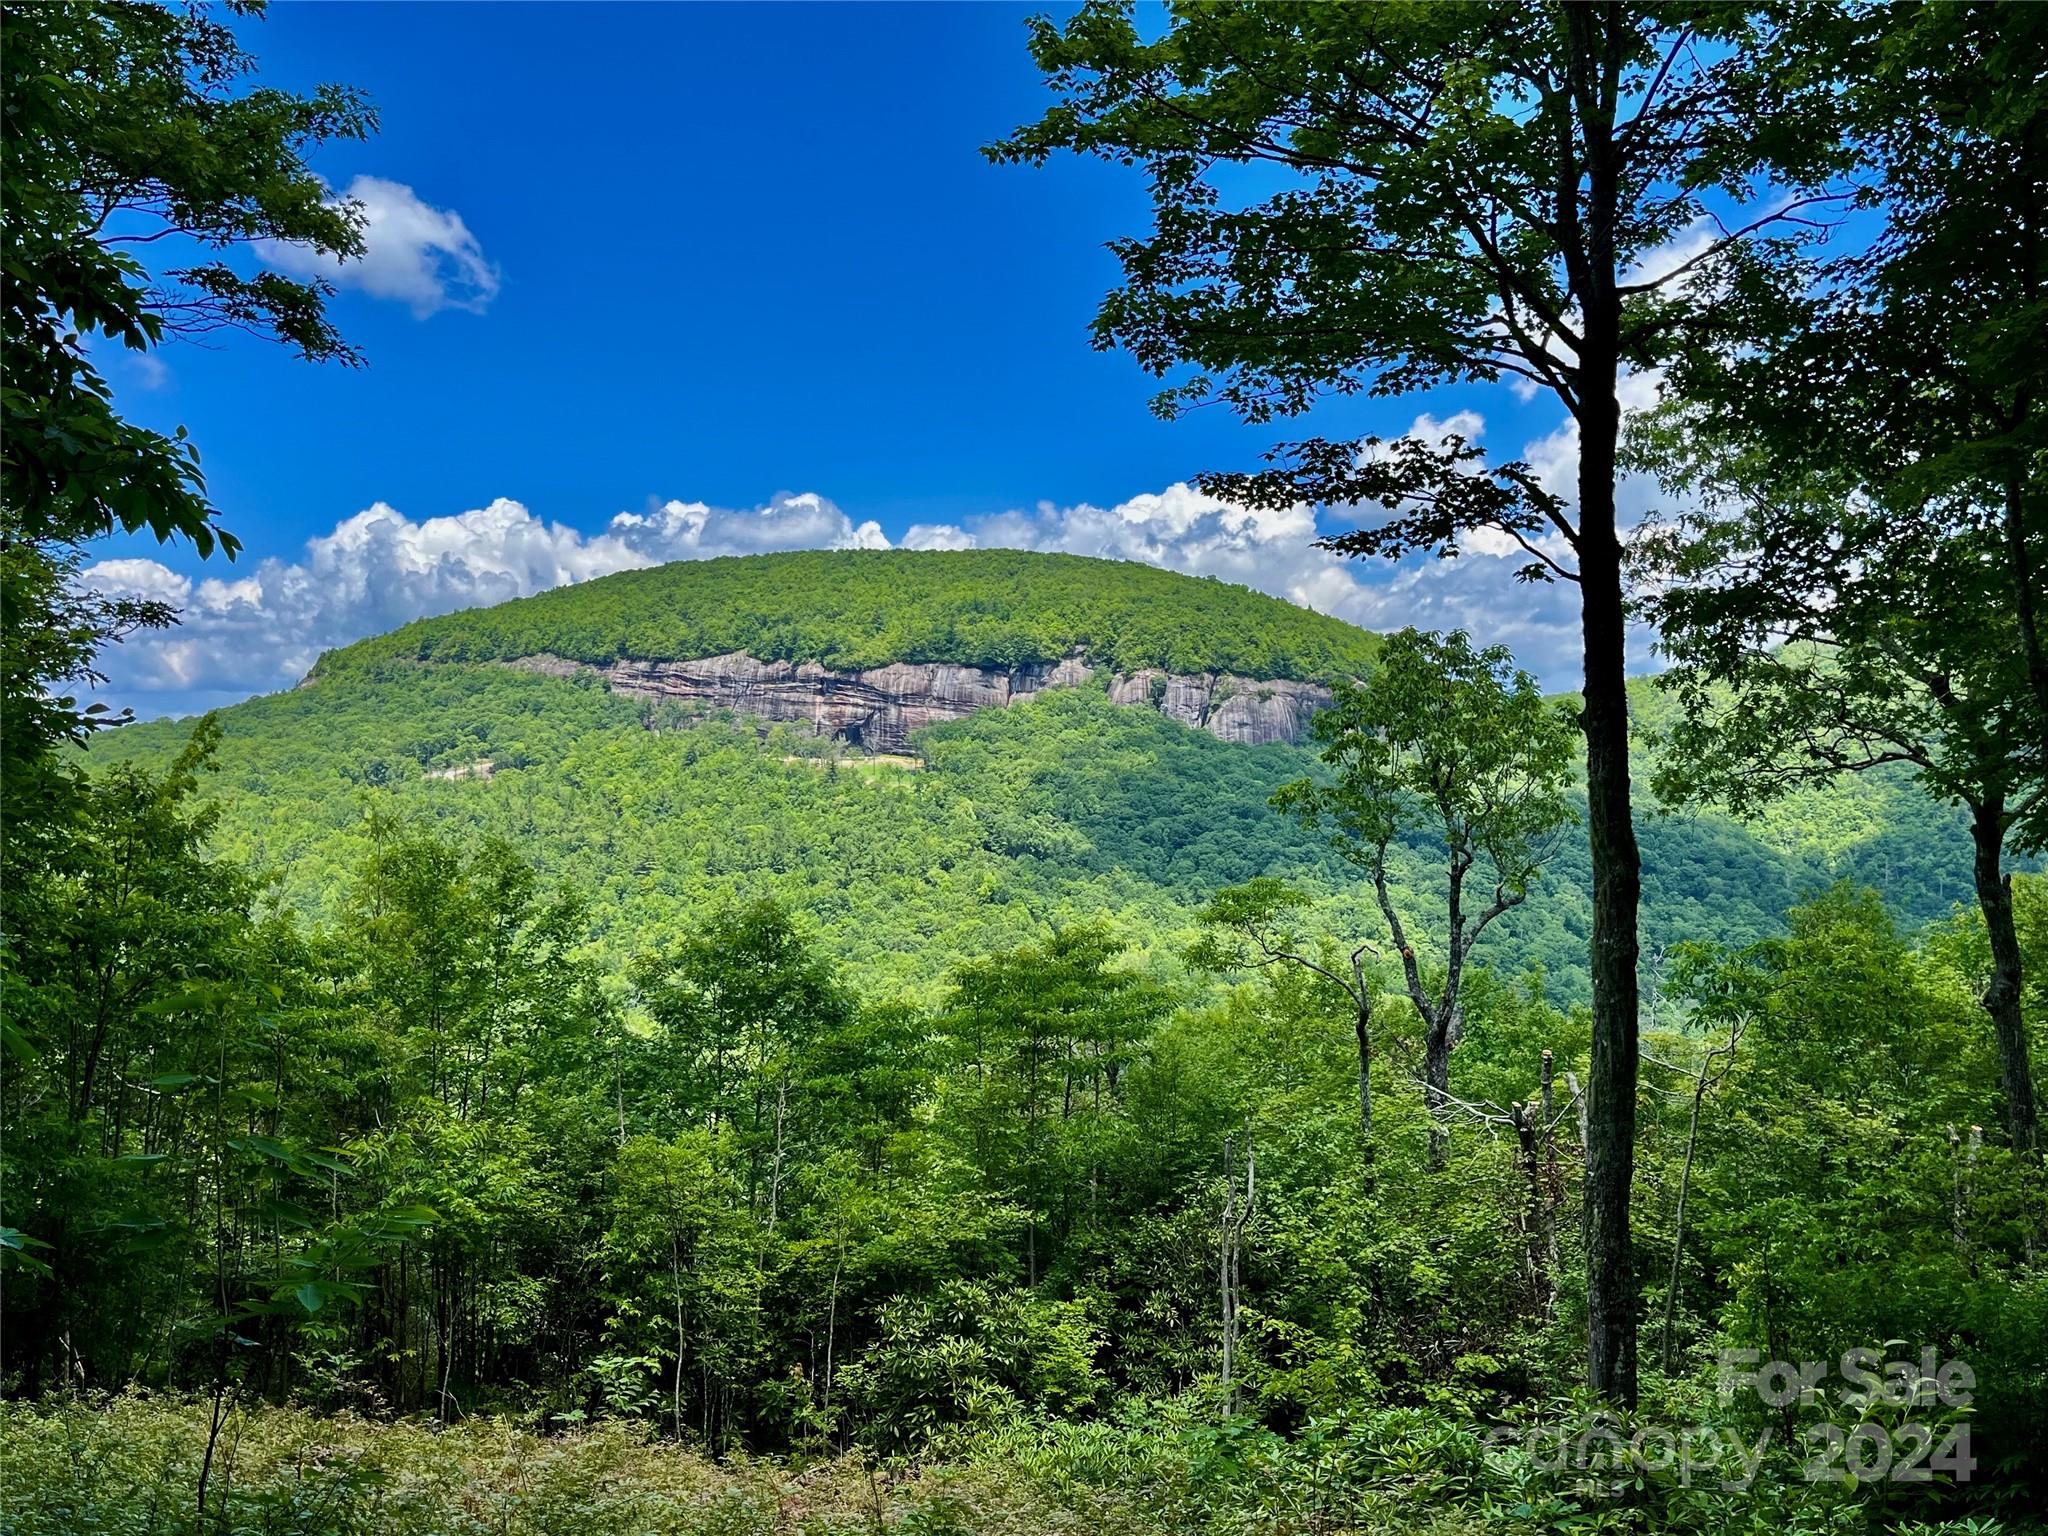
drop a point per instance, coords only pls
(670, 263)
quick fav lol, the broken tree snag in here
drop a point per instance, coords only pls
(1965, 1156)
(1237, 1214)
(1553, 1183)
(1529, 1135)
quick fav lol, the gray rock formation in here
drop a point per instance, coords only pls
(1225, 705)
(879, 709)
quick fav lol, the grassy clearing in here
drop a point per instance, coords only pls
(130, 1466)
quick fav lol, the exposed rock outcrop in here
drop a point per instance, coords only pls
(878, 709)
(1225, 705)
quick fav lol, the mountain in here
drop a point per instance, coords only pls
(868, 608)
(870, 647)
(931, 755)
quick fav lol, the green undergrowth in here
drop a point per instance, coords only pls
(132, 1465)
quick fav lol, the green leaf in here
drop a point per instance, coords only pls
(264, 1146)
(15, 1042)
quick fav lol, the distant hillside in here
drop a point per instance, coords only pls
(851, 609)
(1062, 805)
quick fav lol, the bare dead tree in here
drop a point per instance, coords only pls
(1965, 1157)
(1534, 1122)
(1237, 1215)
(1713, 1069)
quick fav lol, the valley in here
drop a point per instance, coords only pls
(1069, 797)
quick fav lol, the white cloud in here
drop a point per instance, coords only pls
(1469, 425)
(1555, 457)
(937, 536)
(379, 569)
(140, 578)
(1183, 530)
(692, 530)
(413, 252)
(1660, 263)
(1178, 528)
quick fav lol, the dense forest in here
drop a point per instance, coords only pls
(1062, 807)
(440, 1153)
(452, 1098)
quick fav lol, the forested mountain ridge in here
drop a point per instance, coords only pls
(870, 647)
(1061, 806)
(855, 609)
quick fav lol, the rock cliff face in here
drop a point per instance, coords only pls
(1225, 705)
(878, 709)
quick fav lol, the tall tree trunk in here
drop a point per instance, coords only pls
(1598, 38)
(1692, 1142)
(1611, 1291)
(832, 1322)
(2027, 580)
(2002, 995)
(1436, 1085)
(1551, 1184)
(675, 1280)
(2027, 605)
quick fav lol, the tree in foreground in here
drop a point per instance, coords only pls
(1465, 193)
(1041, 1040)
(125, 126)
(121, 125)
(742, 1007)
(1935, 345)
(1453, 744)
(1813, 635)
(1857, 580)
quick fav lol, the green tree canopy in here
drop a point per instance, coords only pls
(1455, 744)
(1362, 197)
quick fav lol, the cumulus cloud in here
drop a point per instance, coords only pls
(412, 252)
(1555, 457)
(693, 530)
(937, 536)
(1182, 529)
(145, 579)
(379, 569)
(1432, 430)
(1681, 254)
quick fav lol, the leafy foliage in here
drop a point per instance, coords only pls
(124, 126)
(481, 1050)
(1056, 809)
(442, 1160)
